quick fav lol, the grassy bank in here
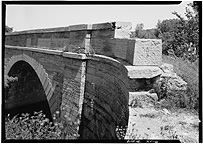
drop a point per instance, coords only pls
(189, 72)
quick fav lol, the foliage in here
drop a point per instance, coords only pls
(36, 126)
(166, 29)
(167, 132)
(8, 80)
(181, 35)
(141, 33)
(120, 132)
(32, 127)
(8, 29)
(188, 71)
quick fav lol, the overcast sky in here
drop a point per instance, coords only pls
(24, 17)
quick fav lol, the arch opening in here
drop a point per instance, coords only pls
(27, 94)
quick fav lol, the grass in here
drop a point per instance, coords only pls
(189, 72)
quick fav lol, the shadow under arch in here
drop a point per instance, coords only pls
(27, 94)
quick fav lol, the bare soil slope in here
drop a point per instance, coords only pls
(163, 124)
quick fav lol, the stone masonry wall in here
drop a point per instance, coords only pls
(73, 93)
(106, 99)
(90, 93)
(52, 63)
(65, 72)
(95, 89)
(110, 39)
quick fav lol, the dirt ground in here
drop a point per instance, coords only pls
(147, 123)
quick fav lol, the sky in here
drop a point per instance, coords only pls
(25, 17)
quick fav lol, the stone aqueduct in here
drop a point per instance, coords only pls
(92, 92)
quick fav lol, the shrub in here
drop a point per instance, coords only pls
(8, 80)
(188, 71)
(32, 127)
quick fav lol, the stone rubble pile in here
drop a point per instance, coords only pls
(174, 82)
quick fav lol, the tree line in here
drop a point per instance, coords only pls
(180, 36)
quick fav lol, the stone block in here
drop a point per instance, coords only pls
(176, 83)
(77, 35)
(74, 55)
(44, 43)
(167, 68)
(28, 43)
(107, 25)
(22, 40)
(34, 40)
(77, 38)
(145, 52)
(78, 62)
(68, 61)
(57, 43)
(112, 25)
(113, 47)
(46, 35)
(123, 25)
(103, 34)
(142, 99)
(78, 27)
(103, 46)
(143, 71)
(120, 48)
(91, 70)
(120, 33)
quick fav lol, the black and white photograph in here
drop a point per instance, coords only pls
(101, 72)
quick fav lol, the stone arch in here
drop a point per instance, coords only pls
(38, 68)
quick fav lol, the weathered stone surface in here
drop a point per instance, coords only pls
(120, 33)
(107, 25)
(112, 25)
(22, 40)
(114, 47)
(44, 43)
(103, 46)
(145, 52)
(142, 99)
(111, 39)
(59, 43)
(166, 68)
(142, 84)
(123, 25)
(74, 55)
(143, 71)
(28, 42)
(101, 83)
(98, 26)
(140, 127)
(174, 82)
(78, 27)
(103, 34)
(120, 48)
(105, 92)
